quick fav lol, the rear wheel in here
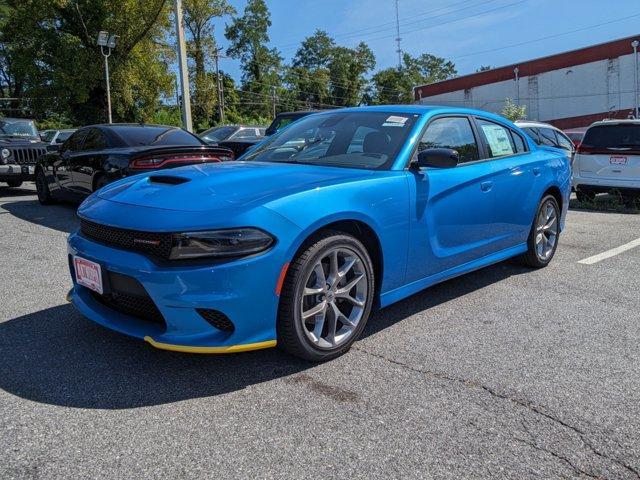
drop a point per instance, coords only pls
(100, 182)
(326, 297)
(42, 189)
(544, 235)
(14, 183)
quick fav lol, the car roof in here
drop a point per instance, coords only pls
(527, 123)
(17, 119)
(633, 121)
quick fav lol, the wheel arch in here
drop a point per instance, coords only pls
(554, 191)
(360, 230)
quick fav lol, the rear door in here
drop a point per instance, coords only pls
(611, 152)
(517, 181)
(452, 210)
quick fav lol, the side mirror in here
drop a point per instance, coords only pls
(53, 147)
(437, 158)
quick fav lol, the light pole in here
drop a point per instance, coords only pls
(107, 41)
(182, 68)
(635, 44)
(516, 71)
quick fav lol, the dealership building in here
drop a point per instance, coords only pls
(570, 89)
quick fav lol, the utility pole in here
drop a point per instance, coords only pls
(516, 72)
(182, 63)
(220, 87)
(273, 101)
(635, 44)
(399, 50)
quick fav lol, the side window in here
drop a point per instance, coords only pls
(498, 139)
(245, 133)
(454, 133)
(533, 133)
(518, 141)
(74, 143)
(548, 137)
(564, 142)
(95, 140)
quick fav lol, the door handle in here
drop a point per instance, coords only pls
(536, 171)
(486, 186)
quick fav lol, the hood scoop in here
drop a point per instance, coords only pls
(168, 179)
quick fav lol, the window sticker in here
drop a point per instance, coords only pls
(498, 139)
(395, 121)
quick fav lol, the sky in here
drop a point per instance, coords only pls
(470, 33)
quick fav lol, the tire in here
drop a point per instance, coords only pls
(14, 183)
(100, 182)
(345, 308)
(42, 189)
(544, 235)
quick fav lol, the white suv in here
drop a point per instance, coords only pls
(608, 159)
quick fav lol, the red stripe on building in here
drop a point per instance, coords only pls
(586, 120)
(603, 51)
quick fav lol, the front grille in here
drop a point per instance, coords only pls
(26, 155)
(126, 295)
(156, 244)
(217, 319)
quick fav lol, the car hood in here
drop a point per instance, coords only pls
(15, 141)
(227, 185)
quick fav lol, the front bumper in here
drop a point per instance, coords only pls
(244, 290)
(12, 172)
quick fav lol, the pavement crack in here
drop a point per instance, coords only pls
(537, 410)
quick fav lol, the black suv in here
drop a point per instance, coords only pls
(20, 147)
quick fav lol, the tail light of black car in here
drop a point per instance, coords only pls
(177, 159)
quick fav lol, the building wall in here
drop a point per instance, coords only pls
(569, 97)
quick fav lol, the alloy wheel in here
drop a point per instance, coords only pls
(334, 298)
(546, 230)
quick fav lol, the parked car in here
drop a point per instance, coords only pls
(20, 147)
(241, 145)
(222, 133)
(96, 155)
(608, 159)
(295, 246)
(546, 135)
(285, 118)
(575, 135)
(54, 137)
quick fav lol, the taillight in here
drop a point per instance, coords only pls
(585, 149)
(160, 161)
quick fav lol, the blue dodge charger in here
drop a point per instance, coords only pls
(297, 242)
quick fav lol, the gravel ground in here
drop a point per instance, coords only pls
(502, 373)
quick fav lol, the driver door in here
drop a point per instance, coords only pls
(63, 164)
(452, 209)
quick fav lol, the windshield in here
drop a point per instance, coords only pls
(134, 136)
(369, 140)
(217, 134)
(18, 128)
(612, 136)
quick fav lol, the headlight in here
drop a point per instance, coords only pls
(235, 242)
(6, 153)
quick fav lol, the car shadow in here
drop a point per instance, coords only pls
(56, 356)
(61, 216)
(8, 192)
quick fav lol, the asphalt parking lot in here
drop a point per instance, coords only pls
(504, 373)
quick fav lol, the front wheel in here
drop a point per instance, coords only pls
(544, 234)
(42, 189)
(326, 297)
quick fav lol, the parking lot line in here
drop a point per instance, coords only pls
(611, 253)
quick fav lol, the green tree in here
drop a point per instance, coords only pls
(512, 111)
(393, 85)
(347, 71)
(248, 36)
(315, 51)
(50, 53)
(201, 48)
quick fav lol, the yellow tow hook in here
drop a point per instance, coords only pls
(68, 296)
